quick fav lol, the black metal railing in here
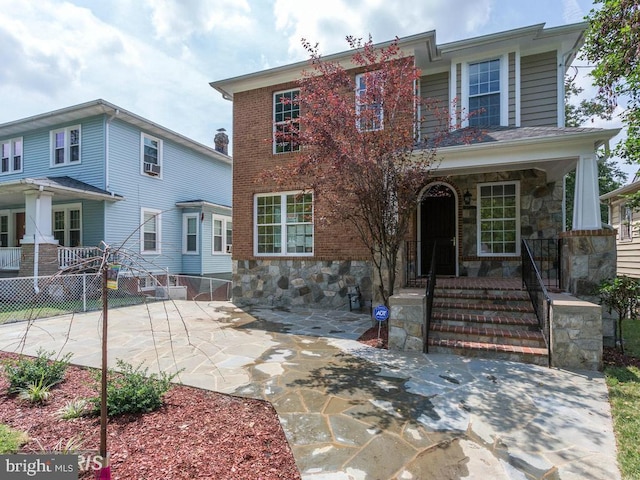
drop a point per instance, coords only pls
(431, 286)
(533, 283)
(411, 258)
(546, 253)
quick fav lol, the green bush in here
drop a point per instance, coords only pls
(27, 371)
(36, 393)
(133, 391)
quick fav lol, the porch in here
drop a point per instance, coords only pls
(68, 258)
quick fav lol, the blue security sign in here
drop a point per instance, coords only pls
(381, 313)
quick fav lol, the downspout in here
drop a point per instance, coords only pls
(36, 245)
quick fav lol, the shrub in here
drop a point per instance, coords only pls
(621, 294)
(74, 409)
(11, 440)
(36, 392)
(133, 391)
(26, 371)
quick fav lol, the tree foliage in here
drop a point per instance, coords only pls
(358, 150)
(621, 294)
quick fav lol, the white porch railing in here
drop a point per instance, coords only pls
(73, 256)
(10, 258)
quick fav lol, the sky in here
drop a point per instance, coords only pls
(156, 58)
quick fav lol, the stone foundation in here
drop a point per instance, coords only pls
(47, 259)
(406, 320)
(296, 283)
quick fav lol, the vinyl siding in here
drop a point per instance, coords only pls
(628, 251)
(539, 93)
(434, 88)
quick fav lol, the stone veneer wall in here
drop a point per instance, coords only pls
(295, 283)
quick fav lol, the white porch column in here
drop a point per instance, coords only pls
(586, 200)
(38, 218)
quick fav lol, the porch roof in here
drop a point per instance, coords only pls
(64, 188)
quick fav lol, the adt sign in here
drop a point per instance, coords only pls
(381, 313)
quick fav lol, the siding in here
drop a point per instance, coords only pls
(434, 89)
(628, 251)
(538, 92)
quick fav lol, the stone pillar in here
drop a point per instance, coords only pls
(406, 319)
(576, 333)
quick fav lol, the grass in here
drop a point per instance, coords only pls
(11, 440)
(624, 395)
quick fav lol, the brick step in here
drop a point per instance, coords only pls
(500, 297)
(528, 322)
(502, 336)
(537, 356)
(487, 309)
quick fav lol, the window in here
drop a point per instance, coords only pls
(498, 219)
(221, 234)
(229, 242)
(284, 219)
(65, 146)
(4, 230)
(190, 228)
(11, 160)
(484, 93)
(369, 111)
(67, 225)
(150, 231)
(626, 223)
(286, 113)
(151, 155)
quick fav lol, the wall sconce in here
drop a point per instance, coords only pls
(467, 197)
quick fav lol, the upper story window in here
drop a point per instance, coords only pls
(150, 231)
(284, 224)
(222, 236)
(484, 93)
(65, 146)
(11, 150)
(151, 155)
(369, 111)
(498, 219)
(286, 114)
(67, 224)
(626, 222)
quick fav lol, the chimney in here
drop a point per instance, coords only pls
(221, 141)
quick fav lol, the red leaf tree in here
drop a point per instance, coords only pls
(359, 151)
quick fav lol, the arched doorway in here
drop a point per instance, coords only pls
(437, 223)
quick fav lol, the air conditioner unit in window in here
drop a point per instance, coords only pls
(152, 168)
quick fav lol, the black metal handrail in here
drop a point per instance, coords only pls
(431, 286)
(532, 281)
(546, 253)
(411, 263)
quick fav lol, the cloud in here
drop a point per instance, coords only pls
(571, 11)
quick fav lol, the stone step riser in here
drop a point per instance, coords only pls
(493, 339)
(541, 360)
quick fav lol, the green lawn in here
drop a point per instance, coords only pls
(624, 395)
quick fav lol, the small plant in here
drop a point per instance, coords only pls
(621, 294)
(11, 440)
(25, 371)
(133, 391)
(71, 447)
(76, 408)
(37, 393)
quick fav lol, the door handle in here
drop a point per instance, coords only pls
(453, 240)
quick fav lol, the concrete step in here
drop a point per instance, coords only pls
(513, 353)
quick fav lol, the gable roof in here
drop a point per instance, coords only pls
(102, 107)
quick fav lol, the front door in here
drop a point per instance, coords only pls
(438, 224)
(20, 227)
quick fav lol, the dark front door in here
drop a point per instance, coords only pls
(20, 227)
(438, 224)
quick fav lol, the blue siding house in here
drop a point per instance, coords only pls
(74, 178)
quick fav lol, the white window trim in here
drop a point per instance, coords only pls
(273, 118)
(160, 155)
(628, 227)
(283, 224)
(479, 251)
(12, 154)
(66, 208)
(464, 87)
(67, 146)
(158, 214)
(358, 106)
(224, 219)
(185, 223)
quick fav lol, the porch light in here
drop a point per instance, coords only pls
(467, 197)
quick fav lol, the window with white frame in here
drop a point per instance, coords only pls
(626, 222)
(284, 224)
(151, 155)
(11, 161)
(498, 219)
(286, 114)
(150, 232)
(229, 238)
(67, 224)
(4, 230)
(190, 229)
(65, 146)
(369, 110)
(221, 238)
(484, 93)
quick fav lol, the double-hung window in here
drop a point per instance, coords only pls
(67, 225)
(498, 219)
(222, 236)
(150, 231)
(4, 230)
(190, 229)
(11, 160)
(284, 224)
(484, 93)
(369, 109)
(151, 155)
(626, 222)
(286, 114)
(65, 146)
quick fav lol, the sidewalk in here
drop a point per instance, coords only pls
(354, 412)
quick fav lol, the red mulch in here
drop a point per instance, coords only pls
(375, 338)
(612, 357)
(196, 434)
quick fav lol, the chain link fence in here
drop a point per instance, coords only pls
(29, 298)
